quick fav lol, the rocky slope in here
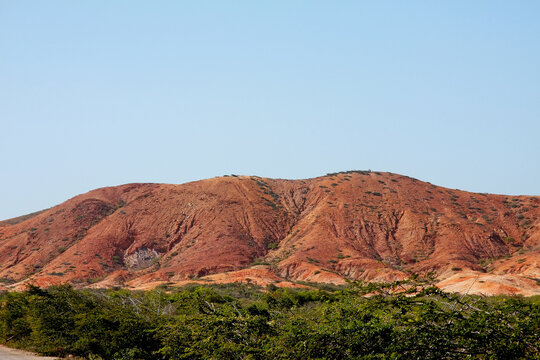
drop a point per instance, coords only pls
(353, 225)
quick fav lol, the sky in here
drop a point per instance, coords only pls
(102, 93)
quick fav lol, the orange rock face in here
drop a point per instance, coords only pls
(355, 225)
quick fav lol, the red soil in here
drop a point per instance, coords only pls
(357, 225)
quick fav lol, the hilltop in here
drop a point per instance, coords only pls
(356, 225)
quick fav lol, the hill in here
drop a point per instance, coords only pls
(357, 225)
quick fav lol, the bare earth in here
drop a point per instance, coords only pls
(358, 225)
(14, 354)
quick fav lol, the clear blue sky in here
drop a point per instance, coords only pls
(98, 93)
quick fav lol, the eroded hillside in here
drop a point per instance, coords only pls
(353, 225)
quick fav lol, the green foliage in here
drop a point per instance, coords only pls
(401, 320)
(509, 239)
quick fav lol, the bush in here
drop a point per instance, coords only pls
(402, 320)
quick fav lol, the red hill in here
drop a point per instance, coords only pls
(352, 225)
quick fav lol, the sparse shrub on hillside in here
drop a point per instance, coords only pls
(6, 280)
(509, 240)
(54, 273)
(116, 260)
(360, 172)
(259, 261)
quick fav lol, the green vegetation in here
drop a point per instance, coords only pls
(509, 239)
(361, 172)
(402, 320)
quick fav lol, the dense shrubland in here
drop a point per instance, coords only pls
(407, 320)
